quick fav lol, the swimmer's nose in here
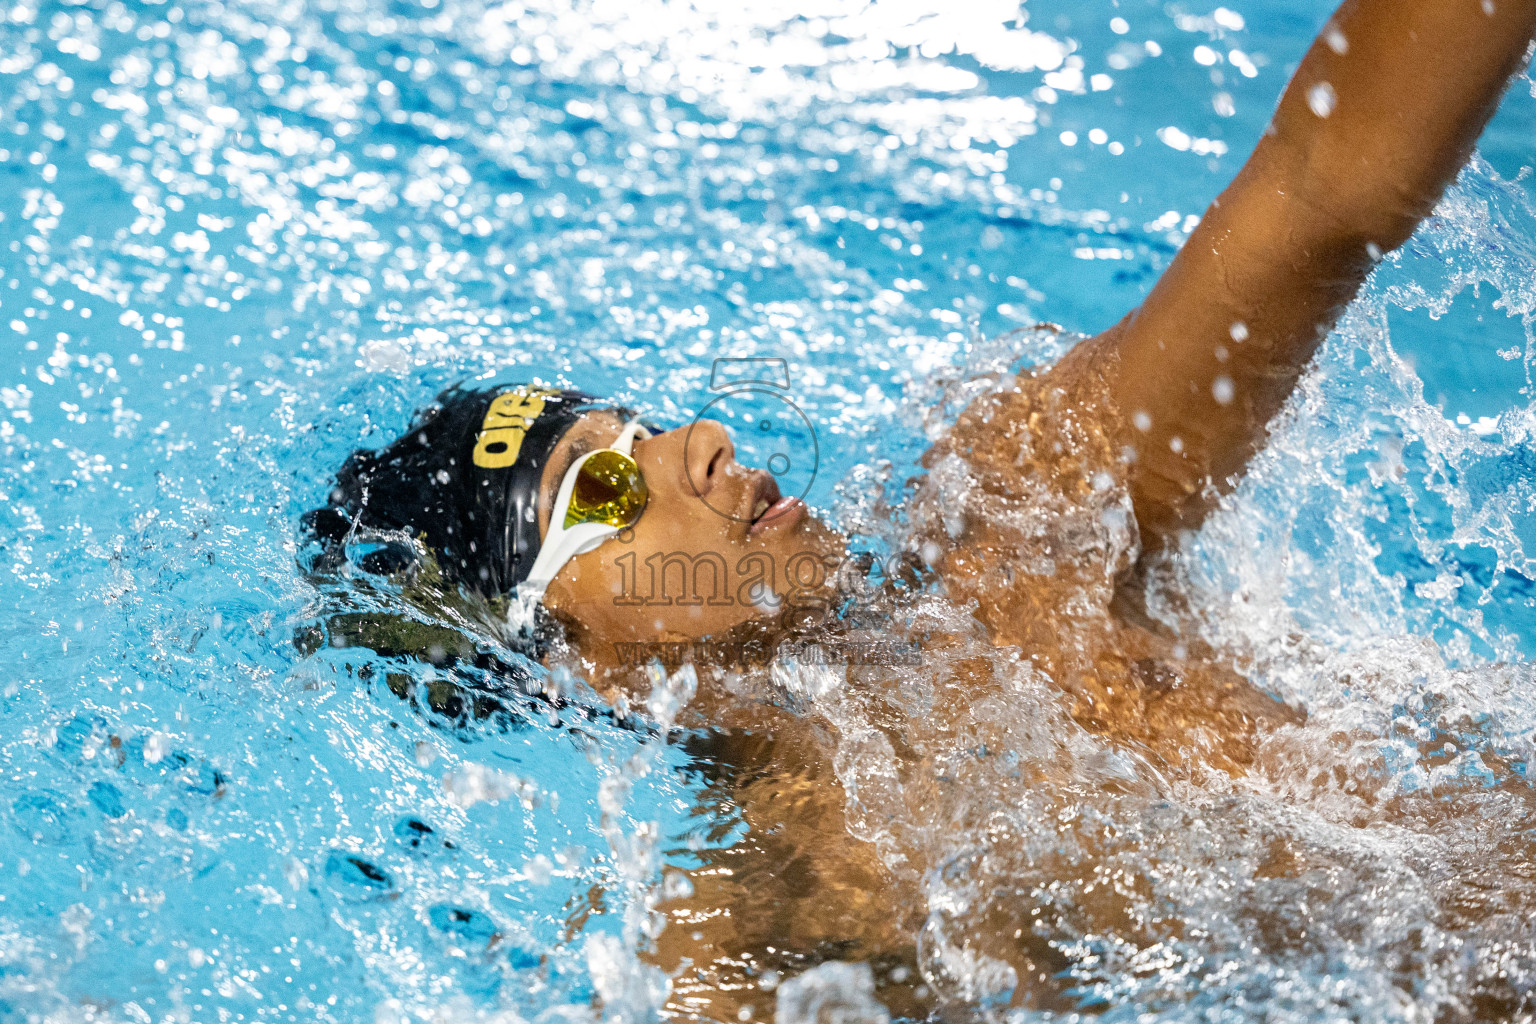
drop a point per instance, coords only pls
(707, 454)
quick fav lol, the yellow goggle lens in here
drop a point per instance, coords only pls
(609, 489)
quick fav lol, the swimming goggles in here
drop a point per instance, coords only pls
(602, 494)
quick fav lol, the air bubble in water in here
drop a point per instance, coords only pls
(837, 992)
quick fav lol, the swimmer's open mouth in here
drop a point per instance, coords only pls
(769, 508)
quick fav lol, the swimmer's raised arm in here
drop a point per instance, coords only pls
(1377, 121)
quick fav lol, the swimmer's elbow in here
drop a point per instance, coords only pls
(1368, 216)
(1333, 206)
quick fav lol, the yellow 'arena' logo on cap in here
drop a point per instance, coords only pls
(506, 422)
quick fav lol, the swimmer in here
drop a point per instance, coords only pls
(1041, 511)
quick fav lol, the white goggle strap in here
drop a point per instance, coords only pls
(561, 544)
(626, 438)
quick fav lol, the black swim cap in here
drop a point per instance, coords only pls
(464, 481)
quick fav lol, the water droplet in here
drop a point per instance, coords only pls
(1321, 99)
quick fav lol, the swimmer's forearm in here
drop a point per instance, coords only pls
(1388, 103)
(1379, 117)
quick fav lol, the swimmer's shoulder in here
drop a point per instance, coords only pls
(1051, 423)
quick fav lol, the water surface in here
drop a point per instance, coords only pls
(240, 239)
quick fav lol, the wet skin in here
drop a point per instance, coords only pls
(704, 506)
(1175, 399)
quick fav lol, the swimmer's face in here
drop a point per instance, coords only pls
(704, 518)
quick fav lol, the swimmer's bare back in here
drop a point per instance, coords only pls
(1376, 122)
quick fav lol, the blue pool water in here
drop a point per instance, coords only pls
(240, 239)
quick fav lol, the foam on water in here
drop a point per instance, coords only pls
(240, 239)
(1374, 862)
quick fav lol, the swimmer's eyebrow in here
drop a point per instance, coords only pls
(577, 449)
